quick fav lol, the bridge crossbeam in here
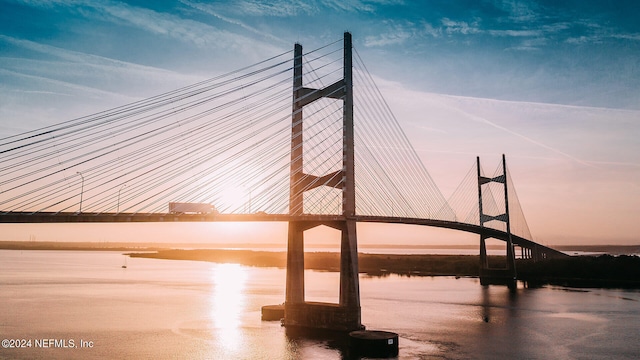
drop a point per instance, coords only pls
(306, 96)
(310, 182)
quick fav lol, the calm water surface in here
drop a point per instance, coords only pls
(163, 309)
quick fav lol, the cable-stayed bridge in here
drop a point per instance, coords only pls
(327, 151)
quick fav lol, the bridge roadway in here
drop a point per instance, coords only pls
(75, 217)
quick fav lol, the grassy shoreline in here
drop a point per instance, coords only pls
(603, 271)
(373, 264)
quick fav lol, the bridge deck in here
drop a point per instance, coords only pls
(74, 217)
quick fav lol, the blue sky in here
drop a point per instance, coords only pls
(567, 52)
(553, 84)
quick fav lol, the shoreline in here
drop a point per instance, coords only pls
(371, 264)
(603, 271)
(275, 247)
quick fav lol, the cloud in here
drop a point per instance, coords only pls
(44, 82)
(431, 129)
(583, 39)
(289, 8)
(460, 27)
(634, 37)
(50, 4)
(515, 33)
(348, 6)
(271, 9)
(388, 38)
(202, 35)
(74, 67)
(530, 44)
(210, 10)
(432, 31)
(164, 24)
(519, 11)
(590, 137)
(522, 136)
(397, 33)
(78, 57)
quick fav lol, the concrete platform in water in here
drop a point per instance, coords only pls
(373, 343)
(273, 312)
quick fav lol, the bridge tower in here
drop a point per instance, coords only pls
(488, 275)
(344, 316)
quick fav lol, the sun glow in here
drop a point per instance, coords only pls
(235, 200)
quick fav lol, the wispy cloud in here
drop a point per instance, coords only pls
(163, 24)
(73, 88)
(460, 27)
(79, 57)
(211, 10)
(515, 33)
(186, 30)
(635, 37)
(518, 11)
(74, 66)
(278, 8)
(388, 38)
(292, 8)
(430, 30)
(351, 5)
(530, 44)
(483, 120)
(431, 129)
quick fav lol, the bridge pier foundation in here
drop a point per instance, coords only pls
(322, 316)
(497, 276)
(344, 316)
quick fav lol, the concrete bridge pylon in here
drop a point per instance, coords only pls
(346, 315)
(505, 275)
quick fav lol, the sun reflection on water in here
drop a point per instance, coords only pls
(228, 302)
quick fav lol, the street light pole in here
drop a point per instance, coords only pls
(81, 190)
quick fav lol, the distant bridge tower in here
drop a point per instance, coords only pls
(488, 275)
(345, 315)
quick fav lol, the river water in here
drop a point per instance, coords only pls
(85, 305)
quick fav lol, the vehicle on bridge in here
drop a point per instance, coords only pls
(191, 208)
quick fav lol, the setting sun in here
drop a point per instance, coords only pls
(234, 200)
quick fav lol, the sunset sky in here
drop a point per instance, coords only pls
(554, 85)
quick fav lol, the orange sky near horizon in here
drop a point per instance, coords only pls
(258, 234)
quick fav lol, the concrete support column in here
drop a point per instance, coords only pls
(295, 243)
(349, 282)
(296, 168)
(348, 165)
(511, 257)
(484, 262)
(295, 264)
